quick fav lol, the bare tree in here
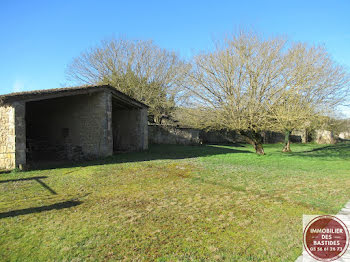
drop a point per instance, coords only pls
(235, 85)
(289, 113)
(138, 68)
(250, 84)
(315, 86)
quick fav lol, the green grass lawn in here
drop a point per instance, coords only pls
(188, 203)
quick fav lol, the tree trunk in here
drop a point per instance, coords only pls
(255, 139)
(286, 147)
(259, 148)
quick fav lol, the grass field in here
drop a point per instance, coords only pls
(217, 203)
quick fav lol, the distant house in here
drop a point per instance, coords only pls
(69, 124)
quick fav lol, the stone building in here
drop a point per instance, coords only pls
(69, 124)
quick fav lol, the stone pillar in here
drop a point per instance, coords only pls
(107, 132)
(20, 134)
(7, 137)
(304, 136)
(143, 122)
(12, 136)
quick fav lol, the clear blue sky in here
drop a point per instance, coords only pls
(40, 38)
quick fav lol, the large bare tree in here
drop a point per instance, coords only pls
(234, 86)
(315, 86)
(250, 84)
(138, 68)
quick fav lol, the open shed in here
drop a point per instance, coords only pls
(69, 124)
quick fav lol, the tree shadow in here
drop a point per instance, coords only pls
(26, 211)
(341, 150)
(156, 152)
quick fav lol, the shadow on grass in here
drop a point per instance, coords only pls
(26, 211)
(156, 152)
(36, 178)
(22, 179)
(341, 150)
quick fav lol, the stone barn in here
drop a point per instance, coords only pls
(69, 124)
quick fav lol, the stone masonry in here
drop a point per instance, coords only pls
(91, 122)
(130, 131)
(7, 137)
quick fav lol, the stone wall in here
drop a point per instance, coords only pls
(76, 126)
(324, 137)
(344, 135)
(68, 128)
(12, 136)
(130, 132)
(220, 137)
(7, 137)
(163, 134)
(271, 137)
(303, 135)
(159, 134)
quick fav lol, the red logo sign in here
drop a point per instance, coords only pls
(326, 238)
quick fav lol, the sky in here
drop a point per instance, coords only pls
(38, 39)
